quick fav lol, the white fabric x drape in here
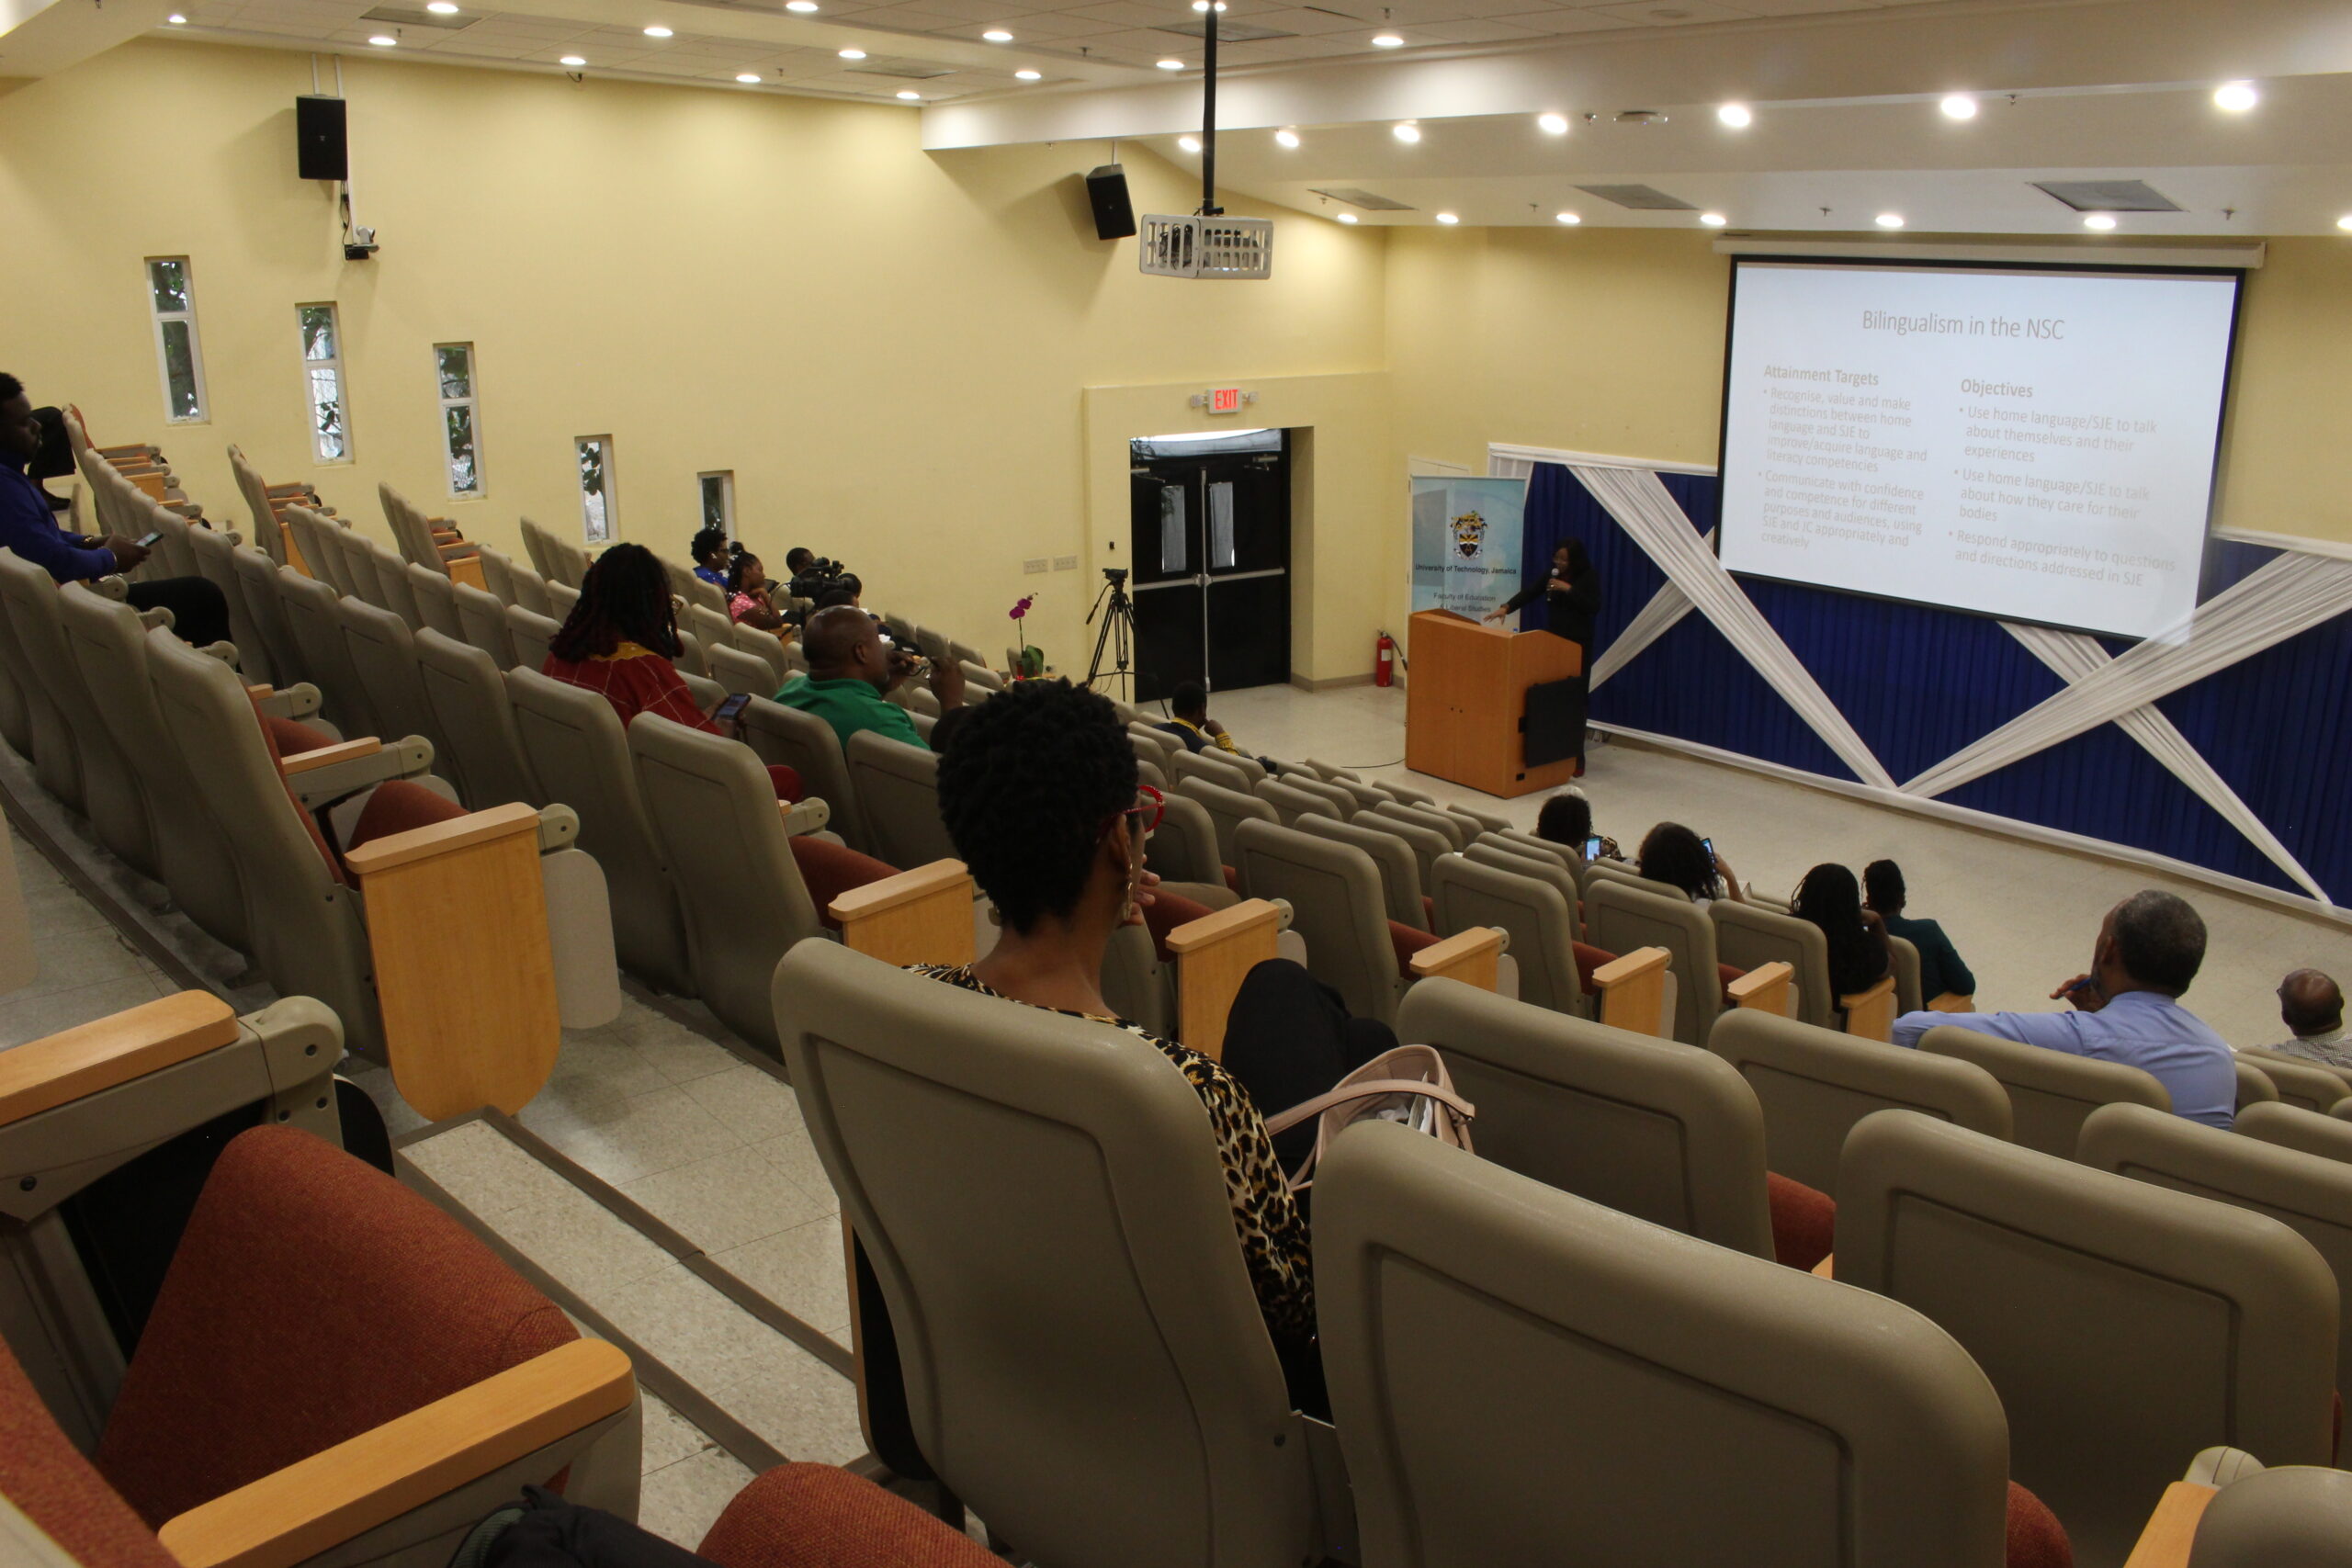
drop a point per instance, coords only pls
(1641, 506)
(1668, 605)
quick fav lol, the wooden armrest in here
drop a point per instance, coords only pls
(150, 485)
(129, 449)
(1826, 1267)
(327, 756)
(2172, 1529)
(366, 1481)
(1215, 955)
(1223, 925)
(923, 915)
(258, 693)
(1470, 956)
(1764, 987)
(440, 838)
(1633, 990)
(99, 1055)
(275, 491)
(1871, 1013)
(1631, 966)
(1951, 1002)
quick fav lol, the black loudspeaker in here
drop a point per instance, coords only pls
(1115, 215)
(319, 139)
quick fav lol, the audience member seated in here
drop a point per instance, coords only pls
(1679, 858)
(749, 592)
(2311, 1006)
(1039, 794)
(709, 553)
(2127, 1009)
(1567, 818)
(850, 673)
(29, 526)
(1830, 899)
(1941, 974)
(1192, 724)
(619, 642)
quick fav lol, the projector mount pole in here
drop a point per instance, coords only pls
(1209, 208)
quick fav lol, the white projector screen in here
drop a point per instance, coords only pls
(2035, 445)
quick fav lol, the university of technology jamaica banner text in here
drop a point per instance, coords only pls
(1466, 543)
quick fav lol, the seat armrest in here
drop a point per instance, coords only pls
(114, 586)
(1214, 955)
(808, 815)
(1765, 988)
(278, 491)
(441, 838)
(2171, 1531)
(298, 701)
(923, 915)
(343, 751)
(1871, 1013)
(1633, 990)
(321, 777)
(82, 1061)
(1471, 956)
(310, 1507)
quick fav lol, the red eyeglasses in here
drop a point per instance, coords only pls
(1150, 806)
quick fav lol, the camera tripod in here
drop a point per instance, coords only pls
(1117, 636)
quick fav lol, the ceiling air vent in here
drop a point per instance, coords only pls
(1640, 198)
(2108, 196)
(402, 16)
(1226, 32)
(1363, 198)
(909, 70)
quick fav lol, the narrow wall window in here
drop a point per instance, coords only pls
(598, 499)
(322, 382)
(172, 294)
(453, 364)
(719, 500)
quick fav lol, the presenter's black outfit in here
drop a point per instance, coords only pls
(1569, 615)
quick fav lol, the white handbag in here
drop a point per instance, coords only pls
(1409, 1085)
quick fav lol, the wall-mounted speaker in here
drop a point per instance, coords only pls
(319, 144)
(1115, 215)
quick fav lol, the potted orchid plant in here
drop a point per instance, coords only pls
(1030, 661)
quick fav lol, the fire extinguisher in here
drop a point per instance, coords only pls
(1384, 661)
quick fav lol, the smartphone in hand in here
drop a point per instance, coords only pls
(1592, 848)
(728, 711)
(149, 542)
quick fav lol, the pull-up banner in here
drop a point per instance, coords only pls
(1467, 537)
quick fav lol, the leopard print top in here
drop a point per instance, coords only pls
(1265, 1218)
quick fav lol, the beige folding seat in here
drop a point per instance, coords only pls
(714, 816)
(55, 757)
(767, 648)
(510, 583)
(358, 564)
(481, 621)
(466, 692)
(178, 555)
(1364, 797)
(2298, 1514)
(537, 543)
(2126, 1327)
(420, 543)
(257, 583)
(2254, 1086)
(902, 630)
(1905, 958)
(918, 702)
(1488, 822)
(1209, 768)
(570, 563)
(897, 787)
(579, 754)
(1183, 847)
(1401, 873)
(1647, 1127)
(1148, 734)
(1620, 918)
(1815, 1084)
(741, 673)
(2309, 1084)
(1425, 817)
(317, 541)
(312, 615)
(436, 600)
(1749, 936)
(708, 625)
(1338, 801)
(808, 746)
(698, 594)
(534, 593)
(1337, 908)
(391, 577)
(1291, 803)
(981, 683)
(1569, 855)
(561, 597)
(1540, 922)
(2049, 1092)
(216, 562)
(1146, 769)
(531, 634)
(1547, 869)
(383, 652)
(113, 796)
(2292, 1127)
(964, 654)
(1429, 844)
(1622, 873)
(690, 660)
(1227, 808)
(2308, 1193)
(1106, 1397)
(1615, 1394)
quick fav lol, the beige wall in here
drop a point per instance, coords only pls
(888, 348)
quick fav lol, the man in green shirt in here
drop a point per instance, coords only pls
(850, 672)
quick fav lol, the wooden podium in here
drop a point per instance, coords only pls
(1465, 696)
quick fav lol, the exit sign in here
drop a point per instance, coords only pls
(1225, 400)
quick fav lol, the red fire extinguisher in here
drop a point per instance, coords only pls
(1384, 662)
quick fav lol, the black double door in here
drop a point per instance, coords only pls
(1211, 537)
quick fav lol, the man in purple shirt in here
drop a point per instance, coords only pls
(2127, 1009)
(29, 526)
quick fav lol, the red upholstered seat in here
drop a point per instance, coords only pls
(398, 806)
(2035, 1538)
(57, 1489)
(1805, 1220)
(1408, 941)
(1587, 960)
(312, 1298)
(1167, 911)
(829, 870)
(1232, 879)
(813, 1516)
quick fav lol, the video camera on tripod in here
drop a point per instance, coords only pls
(815, 578)
(1117, 636)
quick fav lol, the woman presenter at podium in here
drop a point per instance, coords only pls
(1571, 595)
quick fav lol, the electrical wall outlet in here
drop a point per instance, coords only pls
(1035, 563)
(1065, 563)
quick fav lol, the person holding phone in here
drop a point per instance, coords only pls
(1567, 818)
(851, 669)
(29, 526)
(1675, 855)
(2126, 1008)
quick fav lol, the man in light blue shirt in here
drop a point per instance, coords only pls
(2127, 1009)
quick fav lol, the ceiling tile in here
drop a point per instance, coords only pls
(1669, 13)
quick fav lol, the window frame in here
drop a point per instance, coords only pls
(472, 403)
(726, 477)
(157, 316)
(609, 492)
(332, 364)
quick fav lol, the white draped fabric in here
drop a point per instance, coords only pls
(1668, 605)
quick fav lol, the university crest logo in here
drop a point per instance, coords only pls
(1468, 530)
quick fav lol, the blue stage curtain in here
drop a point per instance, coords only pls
(1918, 683)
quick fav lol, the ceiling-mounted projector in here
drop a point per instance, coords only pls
(1206, 247)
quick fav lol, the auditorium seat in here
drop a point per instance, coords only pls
(481, 621)
(269, 503)
(1429, 844)
(1209, 767)
(1904, 958)
(1456, 829)
(808, 746)
(2254, 1086)
(421, 543)
(537, 545)
(383, 655)
(2292, 1127)
(1364, 796)
(465, 692)
(1541, 923)
(1290, 803)
(744, 675)
(1144, 730)
(1624, 873)
(1748, 937)
(1610, 1391)
(1085, 1361)
(689, 660)
(981, 683)
(707, 622)
(49, 740)
(216, 562)
(313, 614)
(897, 787)
(510, 583)
(320, 555)
(1815, 1084)
(436, 600)
(1400, 873)
(766, 646)
(2050, 1093)
(2125, 1327)
(1503, 854)
(2309, 1084)
(257, 585)
(531, 634)
(1337, 909)
(1336, 799)
(1620, 917)
(1183, 847)
(1228, 808)
(2298, 1514)
(685, 585)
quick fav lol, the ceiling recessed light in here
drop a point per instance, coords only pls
(747, 77)
(997, 35)
(1387, 40)
(1889, 221)
(1408, 131)
(800, 7)
(443, 8)
(1286, 138)
(2345, 222)
(1737, 116)
(2100, 220)
(572, 59)
(1449, 217)
(853, 54)
(384, 41)
(1568, 218)
(1028, 75)
(658, 31)
(2235, 96)
(1189, 143)
(1552, 124)
(1713, 220)
(1170, 64)
(911, 95)
(1203, 5)
(176, 19)
(1958, 105)
(1347, 217)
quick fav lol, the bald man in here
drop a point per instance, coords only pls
(2311, 1006)
(850, 672)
